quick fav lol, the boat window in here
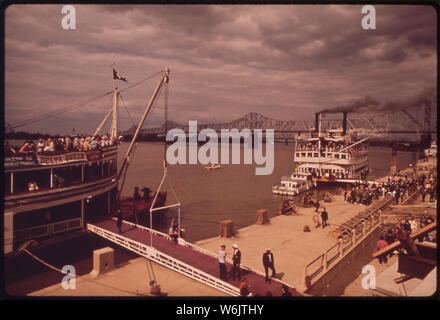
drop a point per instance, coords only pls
(330, 155)
(32, 180)
(303, 154)
(66, 176)
(46, 216)
(297, 154)
(343, 156)
(309, 154)
(336, 155)
(315, 154)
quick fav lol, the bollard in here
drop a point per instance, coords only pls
(262, 216)
(226, 228)
(103, 261)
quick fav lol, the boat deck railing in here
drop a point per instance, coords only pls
(290, 178)
(46, 230)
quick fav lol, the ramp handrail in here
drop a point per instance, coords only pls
(164, 259)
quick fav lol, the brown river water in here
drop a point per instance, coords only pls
(232, 192)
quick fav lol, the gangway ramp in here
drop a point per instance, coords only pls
(186, 258)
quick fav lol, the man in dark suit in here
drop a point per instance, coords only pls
(119, 221)
(268, 262)
(236, 260)
(324, 218)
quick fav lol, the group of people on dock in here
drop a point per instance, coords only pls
(397, 187)
(320, 216)
(402, 230)
(235, 272)
(61, 144)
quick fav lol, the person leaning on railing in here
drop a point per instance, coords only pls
(8, 149)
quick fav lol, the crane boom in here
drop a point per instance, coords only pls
(164, 79)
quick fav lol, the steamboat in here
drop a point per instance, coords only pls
(48, 193)
(332, 155)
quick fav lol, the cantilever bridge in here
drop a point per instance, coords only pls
(184, 257)
(402, 125)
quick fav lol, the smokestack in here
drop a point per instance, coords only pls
(393, 164)
(317, 124)
(344, 124)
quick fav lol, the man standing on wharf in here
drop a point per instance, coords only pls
(236, 260)
(268, 263)
(324, 218)
(222, 261)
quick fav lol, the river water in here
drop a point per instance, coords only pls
(232, 192)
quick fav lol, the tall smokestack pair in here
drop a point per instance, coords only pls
(393, 162)
(344, 123)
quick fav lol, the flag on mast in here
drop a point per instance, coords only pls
(116, 76)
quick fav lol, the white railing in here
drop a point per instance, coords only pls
(319, 266)
(164, 259)
(45, 230)
(66, 225)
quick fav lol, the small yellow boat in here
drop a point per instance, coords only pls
(213, 166)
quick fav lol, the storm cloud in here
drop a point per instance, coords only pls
(283, 61)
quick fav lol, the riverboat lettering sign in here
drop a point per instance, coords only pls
(61, 158)
(93, 155)
(23, 161)
(20, 161)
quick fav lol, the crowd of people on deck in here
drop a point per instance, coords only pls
(61, 144)
(330, 147)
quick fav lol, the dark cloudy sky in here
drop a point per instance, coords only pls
(283, 61)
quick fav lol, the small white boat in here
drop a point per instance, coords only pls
(294, 184)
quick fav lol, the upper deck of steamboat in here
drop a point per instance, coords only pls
(337, 149)
(30, 175)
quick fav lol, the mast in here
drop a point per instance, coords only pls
(319, 146)
(114, 133)
(114, 129)
(124, 166)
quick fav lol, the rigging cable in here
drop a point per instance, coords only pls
(77, 276)
(139, 82)
(51, 114)
(129, 115)
(105, 115)
(61, 110)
